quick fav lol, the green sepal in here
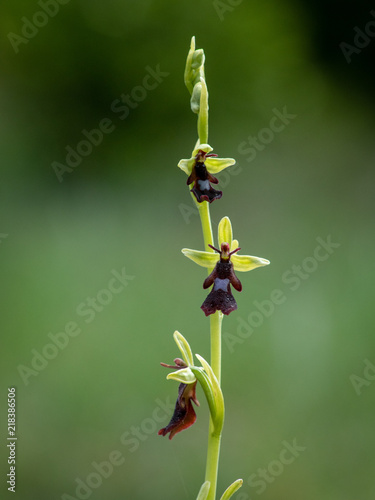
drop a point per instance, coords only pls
(186, 165)
(225, 233)
(184, 347)
(231, 490)
(204, 259)
(204, 491)
(247, 262)
(216, 165)
(184, 376)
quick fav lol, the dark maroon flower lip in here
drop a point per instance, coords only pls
(220, 298)
(202, 179)
(184, 414)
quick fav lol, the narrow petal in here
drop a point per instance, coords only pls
(204, 259)
(186, 165)
(225, 234)
(184, 376)
(247, 262)
(215, 165)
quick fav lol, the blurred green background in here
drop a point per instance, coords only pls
(126, 205)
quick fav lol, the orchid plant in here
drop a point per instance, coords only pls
(221, 263)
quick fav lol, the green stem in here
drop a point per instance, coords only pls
(204, 213)
(212, 464)
(214, 437)
(213, 450)
(215, 325)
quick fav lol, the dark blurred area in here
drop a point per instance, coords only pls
(94, 119)
(65, 77)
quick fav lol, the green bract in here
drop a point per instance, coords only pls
(204, 491)
(225, 235)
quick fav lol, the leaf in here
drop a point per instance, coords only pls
(204, 491)
(232, 489)
(184, 347)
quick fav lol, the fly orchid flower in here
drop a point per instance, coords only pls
(200, 168)
(224, 262)
(184, 415)
(188, 374)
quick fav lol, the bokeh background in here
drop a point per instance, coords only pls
(301, 375)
